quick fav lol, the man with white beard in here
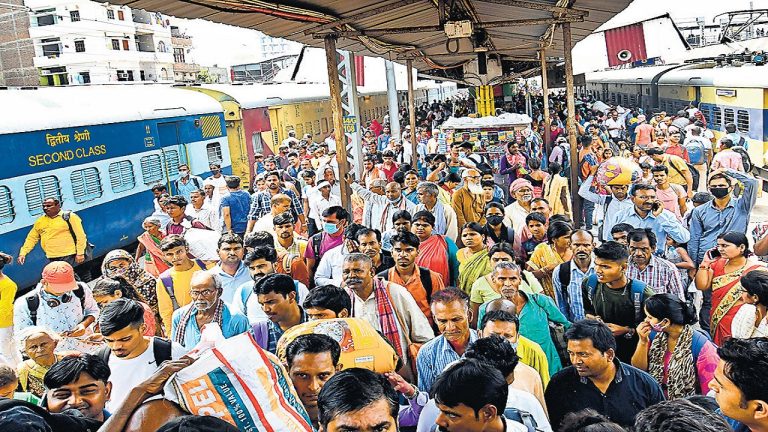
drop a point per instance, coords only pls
(468, 202)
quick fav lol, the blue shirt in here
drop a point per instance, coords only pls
(434, 356)
(611, 211)
(232, 324)
(238, 202)
(666, 224)
(229, 283)
(708, 221)
(573, 307)
(194, 183)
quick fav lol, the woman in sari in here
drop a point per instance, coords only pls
(549, 255)
(751, 320)
(436, 252)
(556, 192)
(149, 247)
(486, 289)
(473, 257)
(722, 274)
(120, 266)
(679, 357)
(536, 176)
(39, 345)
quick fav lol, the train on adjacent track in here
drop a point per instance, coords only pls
(100, 149)
(726, 90)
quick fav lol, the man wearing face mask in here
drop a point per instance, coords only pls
(467, 202)
(187, 183)
(335, 219)
(379, 209)
(724, 213)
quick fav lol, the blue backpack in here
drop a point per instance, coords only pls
(695, 148)
(638, 294)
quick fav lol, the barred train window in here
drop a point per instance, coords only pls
(214, 153)
(707, 113)
(86, 185)
(6, 206)
(121, 176)
(728, 115)
(742, 120)
(151, 169)
(171, 162)
(717, 119)
(39, 189)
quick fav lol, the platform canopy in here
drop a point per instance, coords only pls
(509, 32)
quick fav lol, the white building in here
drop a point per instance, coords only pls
(81, 42)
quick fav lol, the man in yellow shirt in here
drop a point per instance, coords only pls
(173, 284)
(678, 169)
(55, 237)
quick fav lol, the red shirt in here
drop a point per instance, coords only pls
(678, 151)
(390, 173)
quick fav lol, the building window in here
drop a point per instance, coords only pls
(126, 45)
(120, 15)
(110, 14)
(214, 153)
(45, 17)
(115, 44)
(121, 176)
(122, 75)
(51, 47)
(6, 206)
(161, 47)
(178, 55)
(86, 185)
(171, 162)
(40, 189)
(130, 75)
(85, 77)
(74, 16)
(79, 46)
(742, 121)
(151, 169)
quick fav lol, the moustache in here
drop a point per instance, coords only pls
(354, 281)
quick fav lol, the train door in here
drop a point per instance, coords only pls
(174, 151)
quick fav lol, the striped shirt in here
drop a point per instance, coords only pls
(434, 356)
(661, 275)
(261, 204)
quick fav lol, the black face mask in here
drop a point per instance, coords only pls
(494, 220)
(719, 192)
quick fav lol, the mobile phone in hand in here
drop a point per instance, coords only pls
(713, 254)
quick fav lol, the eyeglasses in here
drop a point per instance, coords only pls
(473, 177)
(202, 293)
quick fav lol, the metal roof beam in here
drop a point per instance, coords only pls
(362, 15)
(437, 28)
(539, 6)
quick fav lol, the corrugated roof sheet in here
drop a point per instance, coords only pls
(413, 20)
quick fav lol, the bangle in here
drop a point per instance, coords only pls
(705, 267)
(415, 392)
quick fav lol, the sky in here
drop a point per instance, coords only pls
(242, 45)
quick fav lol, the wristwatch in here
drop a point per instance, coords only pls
(630, 333)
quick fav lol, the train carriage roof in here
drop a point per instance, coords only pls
(51, 108)
(747, 75)
(641, 75)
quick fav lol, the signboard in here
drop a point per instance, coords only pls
(350, 124)
(726, 92)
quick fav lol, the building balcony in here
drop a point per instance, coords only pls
(186, 67)
(181, 42)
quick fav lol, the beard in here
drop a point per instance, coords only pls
(475, 188)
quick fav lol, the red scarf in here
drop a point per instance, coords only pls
(387, 317)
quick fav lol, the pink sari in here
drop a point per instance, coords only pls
(433, 254)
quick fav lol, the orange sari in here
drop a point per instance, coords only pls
(433, 254)
(153, 257)
(726, 298)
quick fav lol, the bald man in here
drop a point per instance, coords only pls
(379, 209)
(468, 202)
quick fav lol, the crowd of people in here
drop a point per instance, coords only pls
(503, 310)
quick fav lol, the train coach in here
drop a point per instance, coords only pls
(99, 150)
(725, 94)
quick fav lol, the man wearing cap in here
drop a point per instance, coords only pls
(60, 234)
(59, 303)
(321, 200)
(467, 202)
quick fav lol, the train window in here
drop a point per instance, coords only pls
(728, 115)
(742, 120)
(324, 121)
(308, 128)
(316, 128)
(121, 176)
(214, 153)
(6, 206)
(171, 162)
(86, 185)
(39, 189)
(151, 169)
(717, 118)
(707, 113)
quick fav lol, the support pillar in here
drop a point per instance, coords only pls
(338, 122)
(571, 120)
(394, 110)
(545, 93)
(412, 115)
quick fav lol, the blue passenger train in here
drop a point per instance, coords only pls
(99, 150)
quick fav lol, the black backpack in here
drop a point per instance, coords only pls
(33, 302)
(161, 348)
(746, 161)
(424, 276)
